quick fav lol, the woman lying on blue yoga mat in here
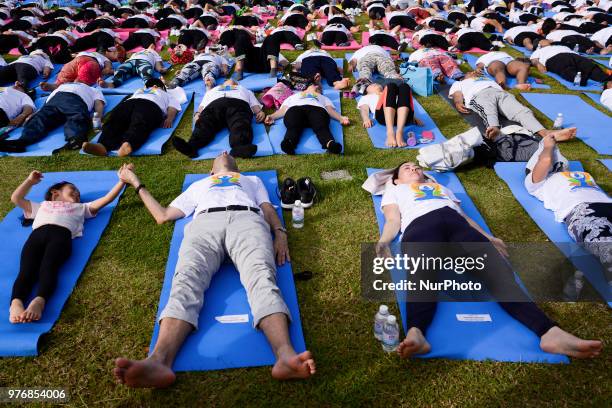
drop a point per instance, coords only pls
(56, 221)
(426, 212)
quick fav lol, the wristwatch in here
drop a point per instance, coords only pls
(283, 229)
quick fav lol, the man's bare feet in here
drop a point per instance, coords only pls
(124, 150)
(103, 84)
(34, 310)
(414, 343)
(399, 139)
(294, 366)
(343, 83)
(147, 373)
(209, 82)
(562, 135)
(558, 341)
(524, 87)
(45, 86)
(97, 149)
(15, 311)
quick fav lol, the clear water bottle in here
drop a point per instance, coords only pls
(558, 122)
(297, 214)
(379, 320)
(576, 48)
(390, 339)
(578, 79)
(96, 121)
(573, 287)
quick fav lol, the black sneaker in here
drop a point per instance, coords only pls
(289, 193)
(306, 191)
(75, 143)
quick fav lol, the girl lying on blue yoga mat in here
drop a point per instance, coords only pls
(56, 221)
(427, 212)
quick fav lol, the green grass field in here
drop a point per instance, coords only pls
(113, 307)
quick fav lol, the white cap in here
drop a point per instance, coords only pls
(383, 309)
(391, 319)
(297, 202)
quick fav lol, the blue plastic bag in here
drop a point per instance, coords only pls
(420, 79)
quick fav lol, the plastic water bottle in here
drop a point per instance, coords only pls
(297, 214)
(558, 122)
(390, 334)
(573, 287)
(96, 121)
(578, 79)
(576, 48)
(379, 321)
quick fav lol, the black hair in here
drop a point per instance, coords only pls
(155, 82)
(396, 172)
(548, 25)
(56, 187)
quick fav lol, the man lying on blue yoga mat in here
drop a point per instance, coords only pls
(437, 217)
(575, 199)
(232, 216)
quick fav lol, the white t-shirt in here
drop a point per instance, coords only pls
(602, 36)
(229, 91)
(142, 16)
(464, 31)
(151, 56)
(150, 31)
(68, 215)
(95, 55)
(470, 87)
(478, 23)
(285, 28)
(545, 53)
(511, 33)
(368, 49)
(109, 32)
(336, 27)
(306, 98)
(313, 52)
(289, 14)
(222, 190)
(606, 98)
(88, 94)
(178, 17)
(501, 56)
(561, 192)
(160, 97)
(375, 5)
(371, 100)
(558, 35)
(2, 62)
(418, 199)
(38, 62)
(12, 101)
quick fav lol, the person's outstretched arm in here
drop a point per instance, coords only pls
(393, 223)
(364, 111)
(545, 160)
(335, 115)
(99, 107)
(281, 247)
(160, 214)
(169, 118)
(102, 202)
(22, 117)
(18, 196)
(497, 243)
(276, 115)
(458, 101)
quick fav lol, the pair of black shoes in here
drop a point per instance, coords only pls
(244, 152)
(332, 147)
(303, 190)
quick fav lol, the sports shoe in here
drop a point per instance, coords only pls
(288, 193)
(306, 191)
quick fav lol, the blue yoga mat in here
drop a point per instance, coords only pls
(221, 144)
(596, 97)
(514, 175)
(378, 132)
(55, 138)
(510, 81)
(216, 345)
(132, 84)
(607, 163)
(157, 139)
(309, 144)
(257, 82)
(501, 339)
(22, 339)
(594, 126)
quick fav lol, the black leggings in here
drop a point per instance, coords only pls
(384, 40)
(99, 23)
(256, 59)
(521, 37)
(168, 22)
(246, 21)
(191, 38)
(98, 40)
(567, 65)
(209, 21)
(376, 13)
(135, 23)
(55, 25)
(447, 225)
(340, 20)
(322, 65)
(143, 40)
(43, 254)
(296, 20)
(334, 37)
(8, 42)
(440, 25)
(434, 41)
(398, 96)
(403, 21)
(583, 43)
(455, 17)
(473, 40)
(4, 120)
(297, 118)
(85, 15)
(131, 121)
(18, 71)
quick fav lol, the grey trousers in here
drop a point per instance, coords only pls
(490, 102)
(245, 237)
(371, 63)
(193, 70)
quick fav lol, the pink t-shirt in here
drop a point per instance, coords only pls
(62, 213)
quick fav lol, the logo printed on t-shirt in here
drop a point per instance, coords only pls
(226, 180)
(427, 191)
(579, 179)
(308, 95)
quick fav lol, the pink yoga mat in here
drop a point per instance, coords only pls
(354, 45)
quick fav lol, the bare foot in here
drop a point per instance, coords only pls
(399, 138)
(524, 87)
(124, 150)
(563, 135)
(210, 83)
(45, 86)
(15, 311)
(414, 343)
(103, 84)
(97, 149)
(391, 142)
(558, 341)
(145, 373)
(343, 83)
(293, 367)
(34, 310)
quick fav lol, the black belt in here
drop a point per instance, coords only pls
(230, 208)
